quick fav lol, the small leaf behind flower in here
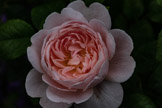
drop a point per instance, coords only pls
(137, 100)
(14, 38)
(159, 48)
(39, 13)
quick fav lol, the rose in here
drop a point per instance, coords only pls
(78, 59)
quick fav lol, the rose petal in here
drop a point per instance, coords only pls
(53, 20)
(68, 97)
(106, 95)
(124, 44)
(122, 64)
(67, 14)
(98, 26)
(98, 78)
(73, 14)
(95, 11)
(54, 84)
(46, 103)
(121, 69)
(34, 52)
(34, 85)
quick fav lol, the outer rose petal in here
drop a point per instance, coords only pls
(54, 84)
(34, 85)
(106, 95)
(95, 11)
(122, 65)
(46, 103)
(67, 14)
(34, 52)
(68, 97)
(98, 26)
(121, 69)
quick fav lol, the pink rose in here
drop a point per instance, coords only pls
(78, 59)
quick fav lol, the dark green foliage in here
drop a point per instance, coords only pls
(159, 48)
(133, 9)
(155, 12)
(14, 38)
(138, 100)
(39, 13)
(155, 81)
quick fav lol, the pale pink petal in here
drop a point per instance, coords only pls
(121, 69)
(73, 14)
(124, 43)
(34, 85)
(68, 97)
(95, 11)
(106, 95)
(46, 103)
(54, 84)
(53, 20)
(34, 51)
(67, 14)
(122, 64)
(98, 26)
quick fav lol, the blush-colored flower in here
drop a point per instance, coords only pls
(78, 59)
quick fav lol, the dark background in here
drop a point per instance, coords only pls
(141, 19)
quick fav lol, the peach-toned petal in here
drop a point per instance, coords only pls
(46, 103)
(98, 26)
(121, 69)
(106, 95)
(34, 51)
(34, 85)
(95, 11)
(101, 75)
(68, 97)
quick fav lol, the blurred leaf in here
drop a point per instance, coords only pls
(155, 81)
(145, 58)
(14, 38)
(159, 2)
(133, 9)
(155, 12)
(40, 13)
(88, 2)
(141, 33)
(137, 100)
(120, 22)
(159, 48)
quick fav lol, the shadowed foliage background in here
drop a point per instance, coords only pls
(141, 19)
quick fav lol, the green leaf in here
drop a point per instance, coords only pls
(137, 100)
(159, 48)
(141, 33)
(145, 58)
(39, 14)
(133, 9)
(159, 2)
(14, 38)
(155, 12)
(155, 81)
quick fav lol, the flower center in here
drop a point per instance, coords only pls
(74, 51)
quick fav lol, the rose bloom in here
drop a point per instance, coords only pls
(78, 59)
